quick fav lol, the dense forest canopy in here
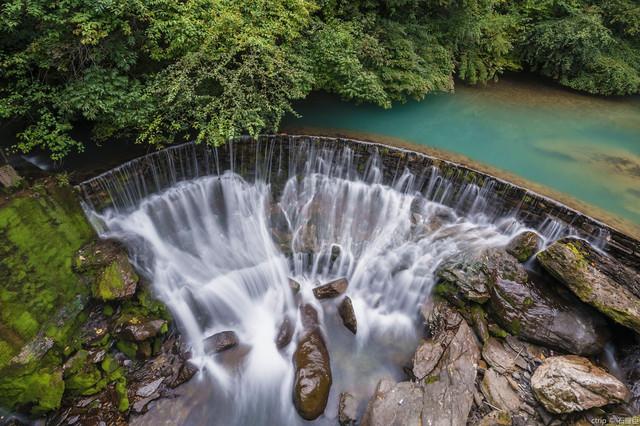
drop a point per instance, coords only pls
(165, 70)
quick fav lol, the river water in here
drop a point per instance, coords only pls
(209, 249)
(582, 146)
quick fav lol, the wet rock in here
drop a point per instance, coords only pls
(502, 265)
(138, 330)
(395, 405)
(348, 315)
(449, 389)
(442, 323)
(150, 388)
(285, 333)
(347, 410)
(440, 317)
(524, 245)
(312, 375)
(309, 316)
(501, 357)
(107, 262)
(596, 279)
(294, 286)
(305, 240)
(480, 325)
(220, 342)
(570, 383)
(463, 279)
(330, 290)
(499, 393)
(539, 313)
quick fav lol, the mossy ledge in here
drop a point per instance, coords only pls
(66, 300)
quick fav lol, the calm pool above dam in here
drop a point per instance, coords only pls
(582, 146)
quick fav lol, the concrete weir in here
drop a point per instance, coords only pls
(271, 157)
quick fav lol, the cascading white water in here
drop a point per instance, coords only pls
(209, 247)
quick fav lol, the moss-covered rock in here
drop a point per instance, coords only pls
(524, 245)
(106, 264)
(32, 389)
(464, 279)
(596, 279)
(40, 230)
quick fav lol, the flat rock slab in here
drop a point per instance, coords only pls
(220, 342)
(395, 405)
(499, 393)
(596, 279)
(332, 289)
(564, 384)
(348, 315)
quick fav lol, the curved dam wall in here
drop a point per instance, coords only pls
(275, 158)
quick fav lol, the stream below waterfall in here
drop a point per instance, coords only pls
(219, 251)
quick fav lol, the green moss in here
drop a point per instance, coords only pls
(81, 377)
(107, 310)
(431, 379)
(42, 389)
(7, 352)
(516, 327)
(128, 348)
(123, 399)
(110, 283)
(497, 331)
(39, 234)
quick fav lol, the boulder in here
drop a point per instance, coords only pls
(443, 323)
(524, 245)
(220, 342)
(308, 316)
(541, 314)
(564, 384)
(450, 387)
(596, 279)
(395, 405)
(332, 289)
(501, 357)
(347, 410)
(313, 379)
(348, 315)
(465, 279)
(107, 262)
(294, 286)
(138, 330)
(499, 393)
(116, 281)
(285, 333)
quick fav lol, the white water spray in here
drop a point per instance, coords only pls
(219, 251)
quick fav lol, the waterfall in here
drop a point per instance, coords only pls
(219, 233)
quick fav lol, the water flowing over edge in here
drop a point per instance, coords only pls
(376, 210)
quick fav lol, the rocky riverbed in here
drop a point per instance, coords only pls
(520, 334)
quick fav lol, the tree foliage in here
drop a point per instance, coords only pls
(159, 70)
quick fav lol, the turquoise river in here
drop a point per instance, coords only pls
(580, 149)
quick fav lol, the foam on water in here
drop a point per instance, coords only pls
(219, 251)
